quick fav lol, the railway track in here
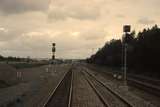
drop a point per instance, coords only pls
(107, 96)
(148, 87)
(61, 95)
(144, 83)
(145, 79)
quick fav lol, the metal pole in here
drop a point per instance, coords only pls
(122, 57)
(126, 30)
(125, 63)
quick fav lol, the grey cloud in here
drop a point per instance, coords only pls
(19, 6)
(81, 14)
(73, 10)
(146, 20)
(92, 35)
(35, 45)
(120, 16)
(85, 17)
(38, 44)
(7, 35)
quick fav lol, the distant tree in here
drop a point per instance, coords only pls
(143, 52)
(1, 58)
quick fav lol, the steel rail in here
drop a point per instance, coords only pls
(71, 90)
(102, 99)
(55, 89)
(147, 84)
(110, 90)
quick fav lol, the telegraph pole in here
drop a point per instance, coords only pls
(126, 30)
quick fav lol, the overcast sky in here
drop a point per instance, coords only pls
(78, 27)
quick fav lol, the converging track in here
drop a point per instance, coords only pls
(107, 96)
(88, 91)
(61, 96)
(147, 85)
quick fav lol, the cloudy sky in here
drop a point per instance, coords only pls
(78, 27)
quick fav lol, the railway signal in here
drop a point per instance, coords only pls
(53, 55)
(125, 40)
(53, 50)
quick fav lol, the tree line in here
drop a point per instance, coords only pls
(11, 58)
(143, 52)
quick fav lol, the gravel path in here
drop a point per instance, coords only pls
(83, 95)
(150, 98)
(110, 99)
(134, 100)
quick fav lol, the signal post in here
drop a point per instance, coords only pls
(126, 30)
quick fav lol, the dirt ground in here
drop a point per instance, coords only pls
(8, 75)
(33, 85)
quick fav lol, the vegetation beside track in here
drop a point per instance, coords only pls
(143, 53)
